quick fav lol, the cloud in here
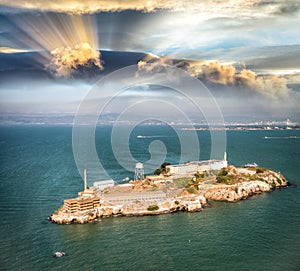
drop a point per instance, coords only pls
(279, 7)
(212, 7)
(66, 60)
(153, 64)
(269, 85)
(273, 86)
(213, 72)
(188, 28)
(88, 6)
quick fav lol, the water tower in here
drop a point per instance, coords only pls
(139, 171)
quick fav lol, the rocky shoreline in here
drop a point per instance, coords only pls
(231, 184)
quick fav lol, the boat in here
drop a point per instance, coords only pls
(251, 165)
(59, 254)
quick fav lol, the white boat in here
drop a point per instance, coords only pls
(251, 165)
(59, 254)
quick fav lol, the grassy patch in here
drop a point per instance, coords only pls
(152, 208)
(279, 181)
(228, 179)
(260, 170)
(191, 190)
(199, 175)
(182, 182)
(154, 187)
(252, 178)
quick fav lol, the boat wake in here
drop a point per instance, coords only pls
(281, 137)
(158, 136)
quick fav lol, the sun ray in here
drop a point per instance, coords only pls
(64, 40)
(45, 32)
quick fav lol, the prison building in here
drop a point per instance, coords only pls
(193, 167)
(182, 169)
(81, 204)
(101, 185)
(132, 197)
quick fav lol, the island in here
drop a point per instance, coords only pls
(182, 187)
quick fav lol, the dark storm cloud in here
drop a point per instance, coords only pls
(288, 7)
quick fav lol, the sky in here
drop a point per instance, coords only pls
(246, 52)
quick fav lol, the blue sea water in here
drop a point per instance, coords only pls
(38, 172)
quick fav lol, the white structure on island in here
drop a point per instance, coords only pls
(193, 167)
(122, 198)
(84, 179)
(251, 165)
(139, 171)
(101, 185)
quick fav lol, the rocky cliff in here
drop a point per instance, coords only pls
(258, 181)
(63, 217)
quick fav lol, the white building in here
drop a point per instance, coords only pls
(193, 167)
(251, 165)
(133, 197)
(182, 169)
(104, 184)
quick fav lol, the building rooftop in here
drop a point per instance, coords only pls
(205, 162)
(104, 182)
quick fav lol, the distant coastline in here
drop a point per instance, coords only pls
(67, 119)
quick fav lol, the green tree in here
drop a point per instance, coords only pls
(163, 165)
(162, 168)
(158, 171)
(222, 172)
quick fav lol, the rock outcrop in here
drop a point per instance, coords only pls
(236, 192)
(63, 217)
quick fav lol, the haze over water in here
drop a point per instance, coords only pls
(38, 172)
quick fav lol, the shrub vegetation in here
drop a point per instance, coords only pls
(182, 182)
(152, 208)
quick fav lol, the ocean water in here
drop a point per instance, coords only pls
(38, 172)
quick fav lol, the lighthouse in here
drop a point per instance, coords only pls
(225, 163)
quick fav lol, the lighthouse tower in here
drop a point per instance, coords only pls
(225, 162)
